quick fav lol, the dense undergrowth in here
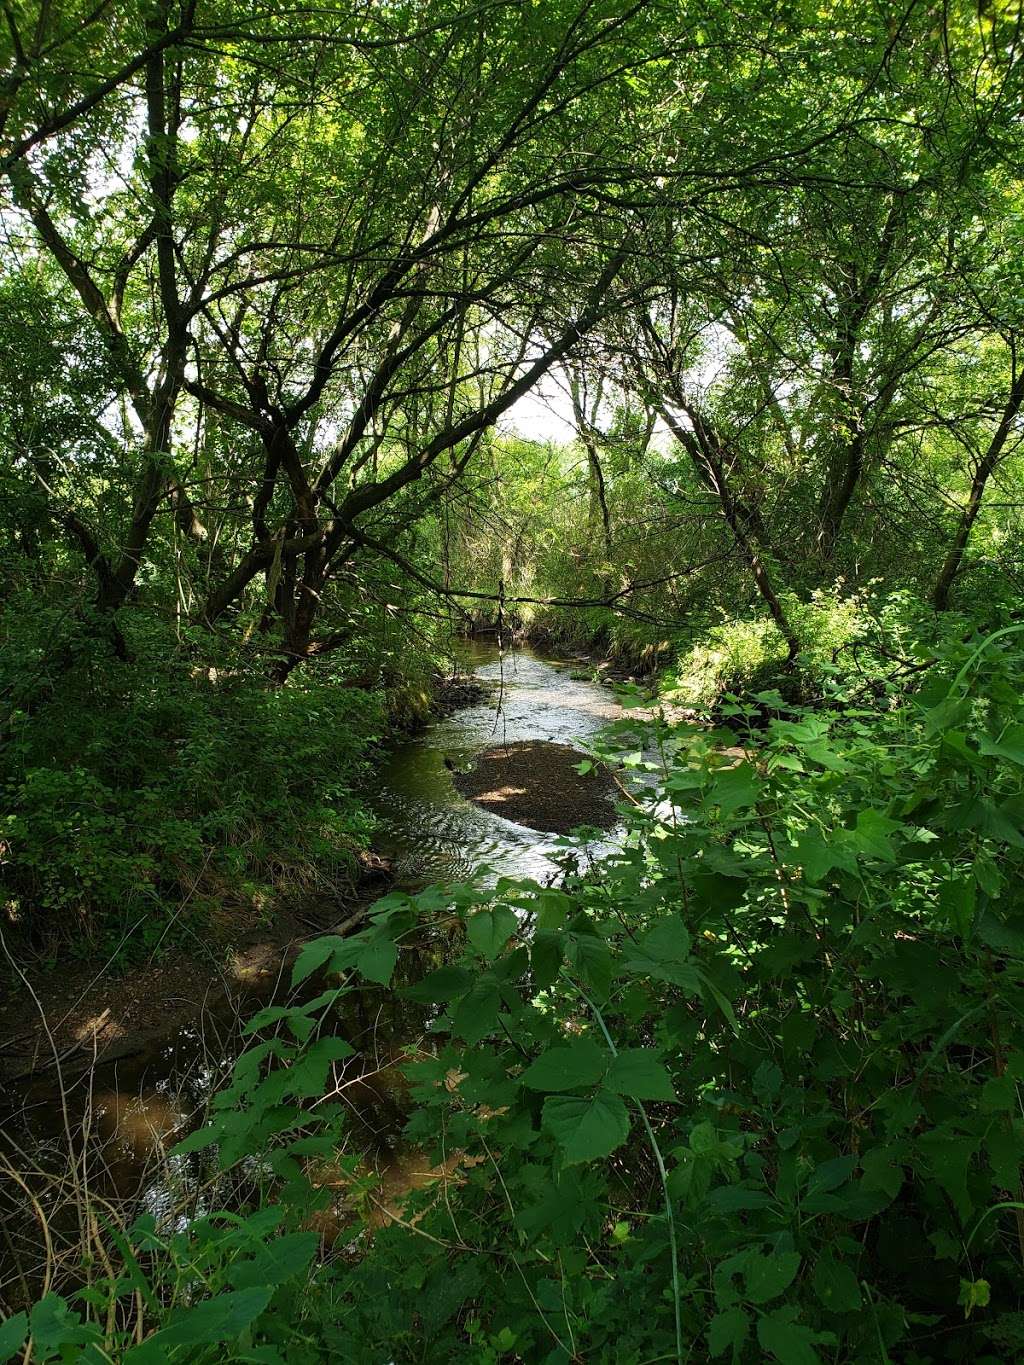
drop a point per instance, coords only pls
(748, 1090)
(143, 797)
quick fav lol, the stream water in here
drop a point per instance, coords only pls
(431, 832)
(118, 1117)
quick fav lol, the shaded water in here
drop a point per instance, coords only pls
(430, 831)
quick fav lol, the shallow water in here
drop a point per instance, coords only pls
(433, 833)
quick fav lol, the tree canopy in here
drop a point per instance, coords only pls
(279, 285)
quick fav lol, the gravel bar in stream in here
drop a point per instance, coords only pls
(535, 783)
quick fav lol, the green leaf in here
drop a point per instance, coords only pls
(945, 716)
(490, 930)
(767, 1274)
(829, 1175)
(788, 1341)
(817, 856)
(663, 953)
(566, 1068)
(198, 1141)
(278, 1261)
(560, 1207)
(729, 1328)
(586, 1129)
(836, 1286)
(974, 1294)
(590, 956)
(476, 1014)
(949, 1158)
(734, 788)
(545, 958)
(871, 833)
(377, 961)
(54, 1324)
(738, 1199)
(553, 908)
(957, 899)
(638, 1073)
(13, 1332)
(315, 954)
(209, 1323)
(1010, 745)
(441, 986)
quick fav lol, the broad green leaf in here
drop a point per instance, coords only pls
(817, 855)
(376, 961)
(280, 1260)
(589, 955)
(13, 1331)
(490, 930)
(787, 1341)
(441, 986)
(836, 1286)
(476, 1014)
(733, 788)
(553, 907)
(561, 1207)
(1009, 745)
(639, 1073)
(945, 716)
(546, 958)
(662, 953)
(767, 1274)
(871, 834)
(208, 1323)
(566, 1068)
(957, 898)
(949, 1159)
(729, 1328)
(586, 1129)
(54, 1324)
(829, 1175)
(315, 954)
(738, 1199)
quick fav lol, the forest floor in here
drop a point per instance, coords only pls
(97, 1012)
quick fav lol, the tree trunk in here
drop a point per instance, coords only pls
(987, 463)
(702, 451)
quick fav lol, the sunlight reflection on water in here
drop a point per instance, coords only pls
(430, 831)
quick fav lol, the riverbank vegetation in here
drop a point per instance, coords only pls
(275, 286)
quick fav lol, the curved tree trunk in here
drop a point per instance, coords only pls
(702, 451)
(987, 463)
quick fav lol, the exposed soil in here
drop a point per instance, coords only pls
(535, 783)
(73, 1018)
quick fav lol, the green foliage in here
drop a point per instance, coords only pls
(132, 790)
(759, 1072)
(749, 655)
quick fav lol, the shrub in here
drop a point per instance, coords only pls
(749, 654)
(138, 786)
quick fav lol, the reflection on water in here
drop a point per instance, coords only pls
(427, 828)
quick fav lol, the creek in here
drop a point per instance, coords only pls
(426, 827)
(107, 1125)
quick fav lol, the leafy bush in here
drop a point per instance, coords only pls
(749, 654)
(748, 1092)
(132, 787)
